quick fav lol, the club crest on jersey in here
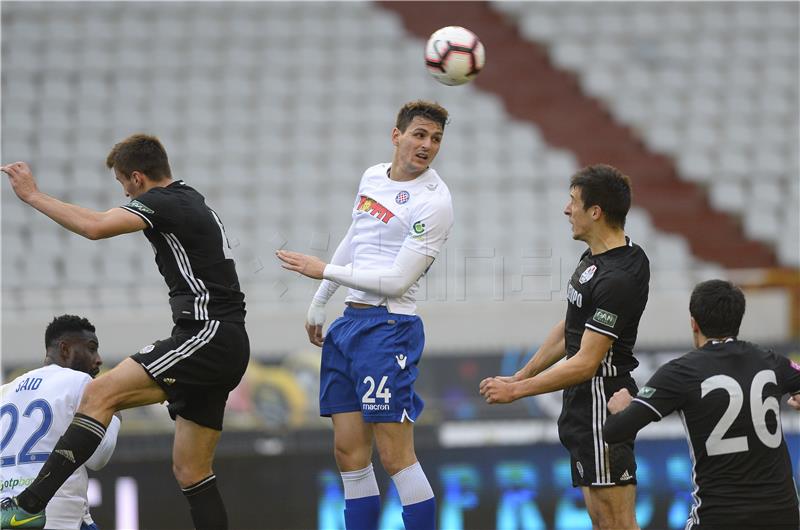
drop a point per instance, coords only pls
(148, 348)
(587, 274)
(374, 208)
(402, 197)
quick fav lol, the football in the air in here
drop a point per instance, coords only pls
(454, 55)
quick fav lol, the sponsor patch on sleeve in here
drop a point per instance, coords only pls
(418, 229)
(646, 392)
(604, 317)
(139, 206)
(794, 365)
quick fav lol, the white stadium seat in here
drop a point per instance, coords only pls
(268, 124)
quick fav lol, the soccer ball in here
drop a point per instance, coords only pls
(454, 55)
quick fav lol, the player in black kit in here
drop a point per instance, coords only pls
(727, 392)
(606, 296)
(196, 367)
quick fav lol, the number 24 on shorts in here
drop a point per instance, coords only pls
(382, 393)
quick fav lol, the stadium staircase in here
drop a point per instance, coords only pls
(522, 73)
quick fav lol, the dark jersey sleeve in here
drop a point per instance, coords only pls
(624, 425)
(666, 391)
(612, 308)
(788, 375)
(159, 208)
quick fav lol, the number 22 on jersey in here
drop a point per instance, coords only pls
(25, 455)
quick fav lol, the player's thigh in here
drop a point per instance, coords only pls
(125, 386)
(612, 507)
(193, 451)
(352, 440)
(395, 443)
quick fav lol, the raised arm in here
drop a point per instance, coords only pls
(88, 223)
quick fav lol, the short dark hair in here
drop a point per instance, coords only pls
(718, 307)
(607, 187)
(64, 324)
(426, 109)
(140, 152)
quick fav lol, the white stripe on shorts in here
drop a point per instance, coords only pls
(186, 349)
(601, 463)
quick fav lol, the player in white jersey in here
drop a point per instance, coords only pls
(402, 217)
(37, 407)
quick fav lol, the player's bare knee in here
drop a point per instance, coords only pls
(396, 459)
(187, 474)
(352, 457)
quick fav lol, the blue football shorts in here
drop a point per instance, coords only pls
(369, 364)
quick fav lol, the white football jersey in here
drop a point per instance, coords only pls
(388, 215)
(37, 407)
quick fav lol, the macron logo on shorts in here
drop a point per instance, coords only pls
(401, 360)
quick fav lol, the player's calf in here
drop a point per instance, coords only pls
(205, 505)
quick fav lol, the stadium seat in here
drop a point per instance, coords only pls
(265, 124)
(714, 85)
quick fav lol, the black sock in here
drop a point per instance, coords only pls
(205, 503)
(74, 448)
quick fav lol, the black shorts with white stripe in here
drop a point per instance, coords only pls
(197, 367)
(580, 428)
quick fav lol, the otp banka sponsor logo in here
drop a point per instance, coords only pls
(573, 296)
(12, 483)
(369, 399)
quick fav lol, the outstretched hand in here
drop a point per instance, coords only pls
(310, 266)
(794, 401)
(21, 179)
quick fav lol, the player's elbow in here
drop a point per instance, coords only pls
(396, 288)
(399, 290)
(93, 231)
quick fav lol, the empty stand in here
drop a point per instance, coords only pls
(714, 85)
(273, 110)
